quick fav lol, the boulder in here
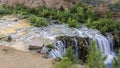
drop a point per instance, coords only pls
(32, 47)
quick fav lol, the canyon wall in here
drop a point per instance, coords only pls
(57, 4)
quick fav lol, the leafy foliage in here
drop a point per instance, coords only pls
(51, 46)
(72, 22)
(65, 63)
(94, 58)
(68, 60)
(104, 25)
(5, 9)
(70, 54)
(116, 62)
(72, 16)
(37, 21)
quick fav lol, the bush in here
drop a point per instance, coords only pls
(72, 22)
(43, 12)
(65, 63)
(71, 55)
(116, 62)
(5, 9)
(37, 21)
(32, 18)
(51, 46)
(94, 57)
(104, 25)
(109, 14)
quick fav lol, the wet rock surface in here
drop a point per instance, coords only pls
(21, 33)
(82, 44)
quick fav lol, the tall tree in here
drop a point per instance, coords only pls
(94, 57)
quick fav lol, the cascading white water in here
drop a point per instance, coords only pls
(76, 47)
(104, 44)
(110, 39)
(59, 50)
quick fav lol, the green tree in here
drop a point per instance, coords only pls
(94, 57)
(116, 62)
(65, 63)
(68, 61)
(70, 54)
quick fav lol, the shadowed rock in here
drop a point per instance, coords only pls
(32, 47)
(81, 42)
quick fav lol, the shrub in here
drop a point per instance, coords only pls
(37, 21)
(94, 57)
(71, 55)
(104, 25)
(72, 22)
(32, 18)
(43, 12)
(109, 14)
(5, 9)
(65, 63)
(40, 22)
(89, 13)
(51, 46)
(116, 62)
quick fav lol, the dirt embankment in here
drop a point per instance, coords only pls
(11, 58)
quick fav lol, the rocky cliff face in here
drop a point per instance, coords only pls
(57, 4)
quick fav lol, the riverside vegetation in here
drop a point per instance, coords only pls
(74, 16)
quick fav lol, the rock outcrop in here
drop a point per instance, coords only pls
(57, 4)
(82, 44)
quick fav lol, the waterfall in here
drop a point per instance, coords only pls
(110, 39)
(104, 44)
(76, 47)
(59, 50)
(60, 47)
